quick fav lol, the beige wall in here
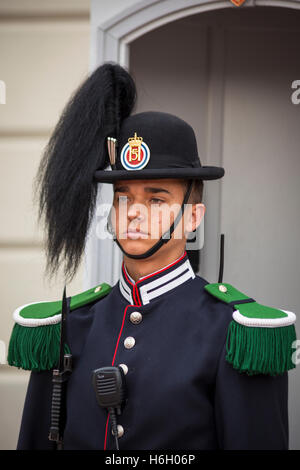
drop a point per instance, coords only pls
(44, 55)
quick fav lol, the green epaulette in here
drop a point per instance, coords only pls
(35, 338)
(260, 339)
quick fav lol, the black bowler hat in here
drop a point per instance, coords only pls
(154, 145)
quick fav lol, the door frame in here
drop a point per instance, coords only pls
(110, 41)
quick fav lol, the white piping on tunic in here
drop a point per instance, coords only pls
(35, 321)
(265, 322)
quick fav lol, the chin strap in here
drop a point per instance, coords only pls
(166, 236)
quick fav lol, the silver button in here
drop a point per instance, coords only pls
(124, 367)
(120, 430)
(223, 288)
(129, 342)
(136, 317)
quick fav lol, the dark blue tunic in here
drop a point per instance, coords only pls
(182, 394)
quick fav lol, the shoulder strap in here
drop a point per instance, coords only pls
(35, 338)
(260, 339)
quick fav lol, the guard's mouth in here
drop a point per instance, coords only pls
(135, 234)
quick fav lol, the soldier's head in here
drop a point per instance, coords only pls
(157, 178)
(98, 140)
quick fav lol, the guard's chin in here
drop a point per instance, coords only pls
(136, 247)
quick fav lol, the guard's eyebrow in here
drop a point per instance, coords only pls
(124, 189)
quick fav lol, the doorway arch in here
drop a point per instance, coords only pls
(110, 40)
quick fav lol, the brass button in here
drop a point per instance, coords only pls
(98, 289)
(120, 430)
(129, 342)
(223, 289)
(136, 318)
(124, 367)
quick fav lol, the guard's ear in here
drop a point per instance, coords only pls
(194, 216)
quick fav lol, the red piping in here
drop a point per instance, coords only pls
(116, 349)
(139, 304)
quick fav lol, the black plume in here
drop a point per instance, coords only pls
(64, 183)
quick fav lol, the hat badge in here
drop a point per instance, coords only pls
(135, 154)
(237, 3)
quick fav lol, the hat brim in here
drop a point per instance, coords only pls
(203, 173)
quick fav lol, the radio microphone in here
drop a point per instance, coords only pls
(110, 388)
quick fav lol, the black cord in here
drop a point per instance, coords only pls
(221, 269)
(110, 389)
(113, 418)
(59, 380)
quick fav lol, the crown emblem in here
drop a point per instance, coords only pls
(135, 145)
(135, 154)
(237, 3)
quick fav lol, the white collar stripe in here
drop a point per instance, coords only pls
(127, 296)
(167, 287)
(157, 283)
(124, 285)
(193, 275)
(167, 277)
(166, 281)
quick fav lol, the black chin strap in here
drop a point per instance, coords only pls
(166, 236)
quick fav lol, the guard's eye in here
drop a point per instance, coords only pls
(156, 201)
(121, 199)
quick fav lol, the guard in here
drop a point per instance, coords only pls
(161, 360)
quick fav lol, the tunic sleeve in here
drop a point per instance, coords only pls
(35, 422)
(251, 412)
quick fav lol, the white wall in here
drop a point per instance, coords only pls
(44, 55)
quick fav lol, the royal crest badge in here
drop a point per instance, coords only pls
(135, 155)
(237, 3)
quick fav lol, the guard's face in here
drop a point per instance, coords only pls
(144, 210)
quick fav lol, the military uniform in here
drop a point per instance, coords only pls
(169, 334)
(205, 365)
